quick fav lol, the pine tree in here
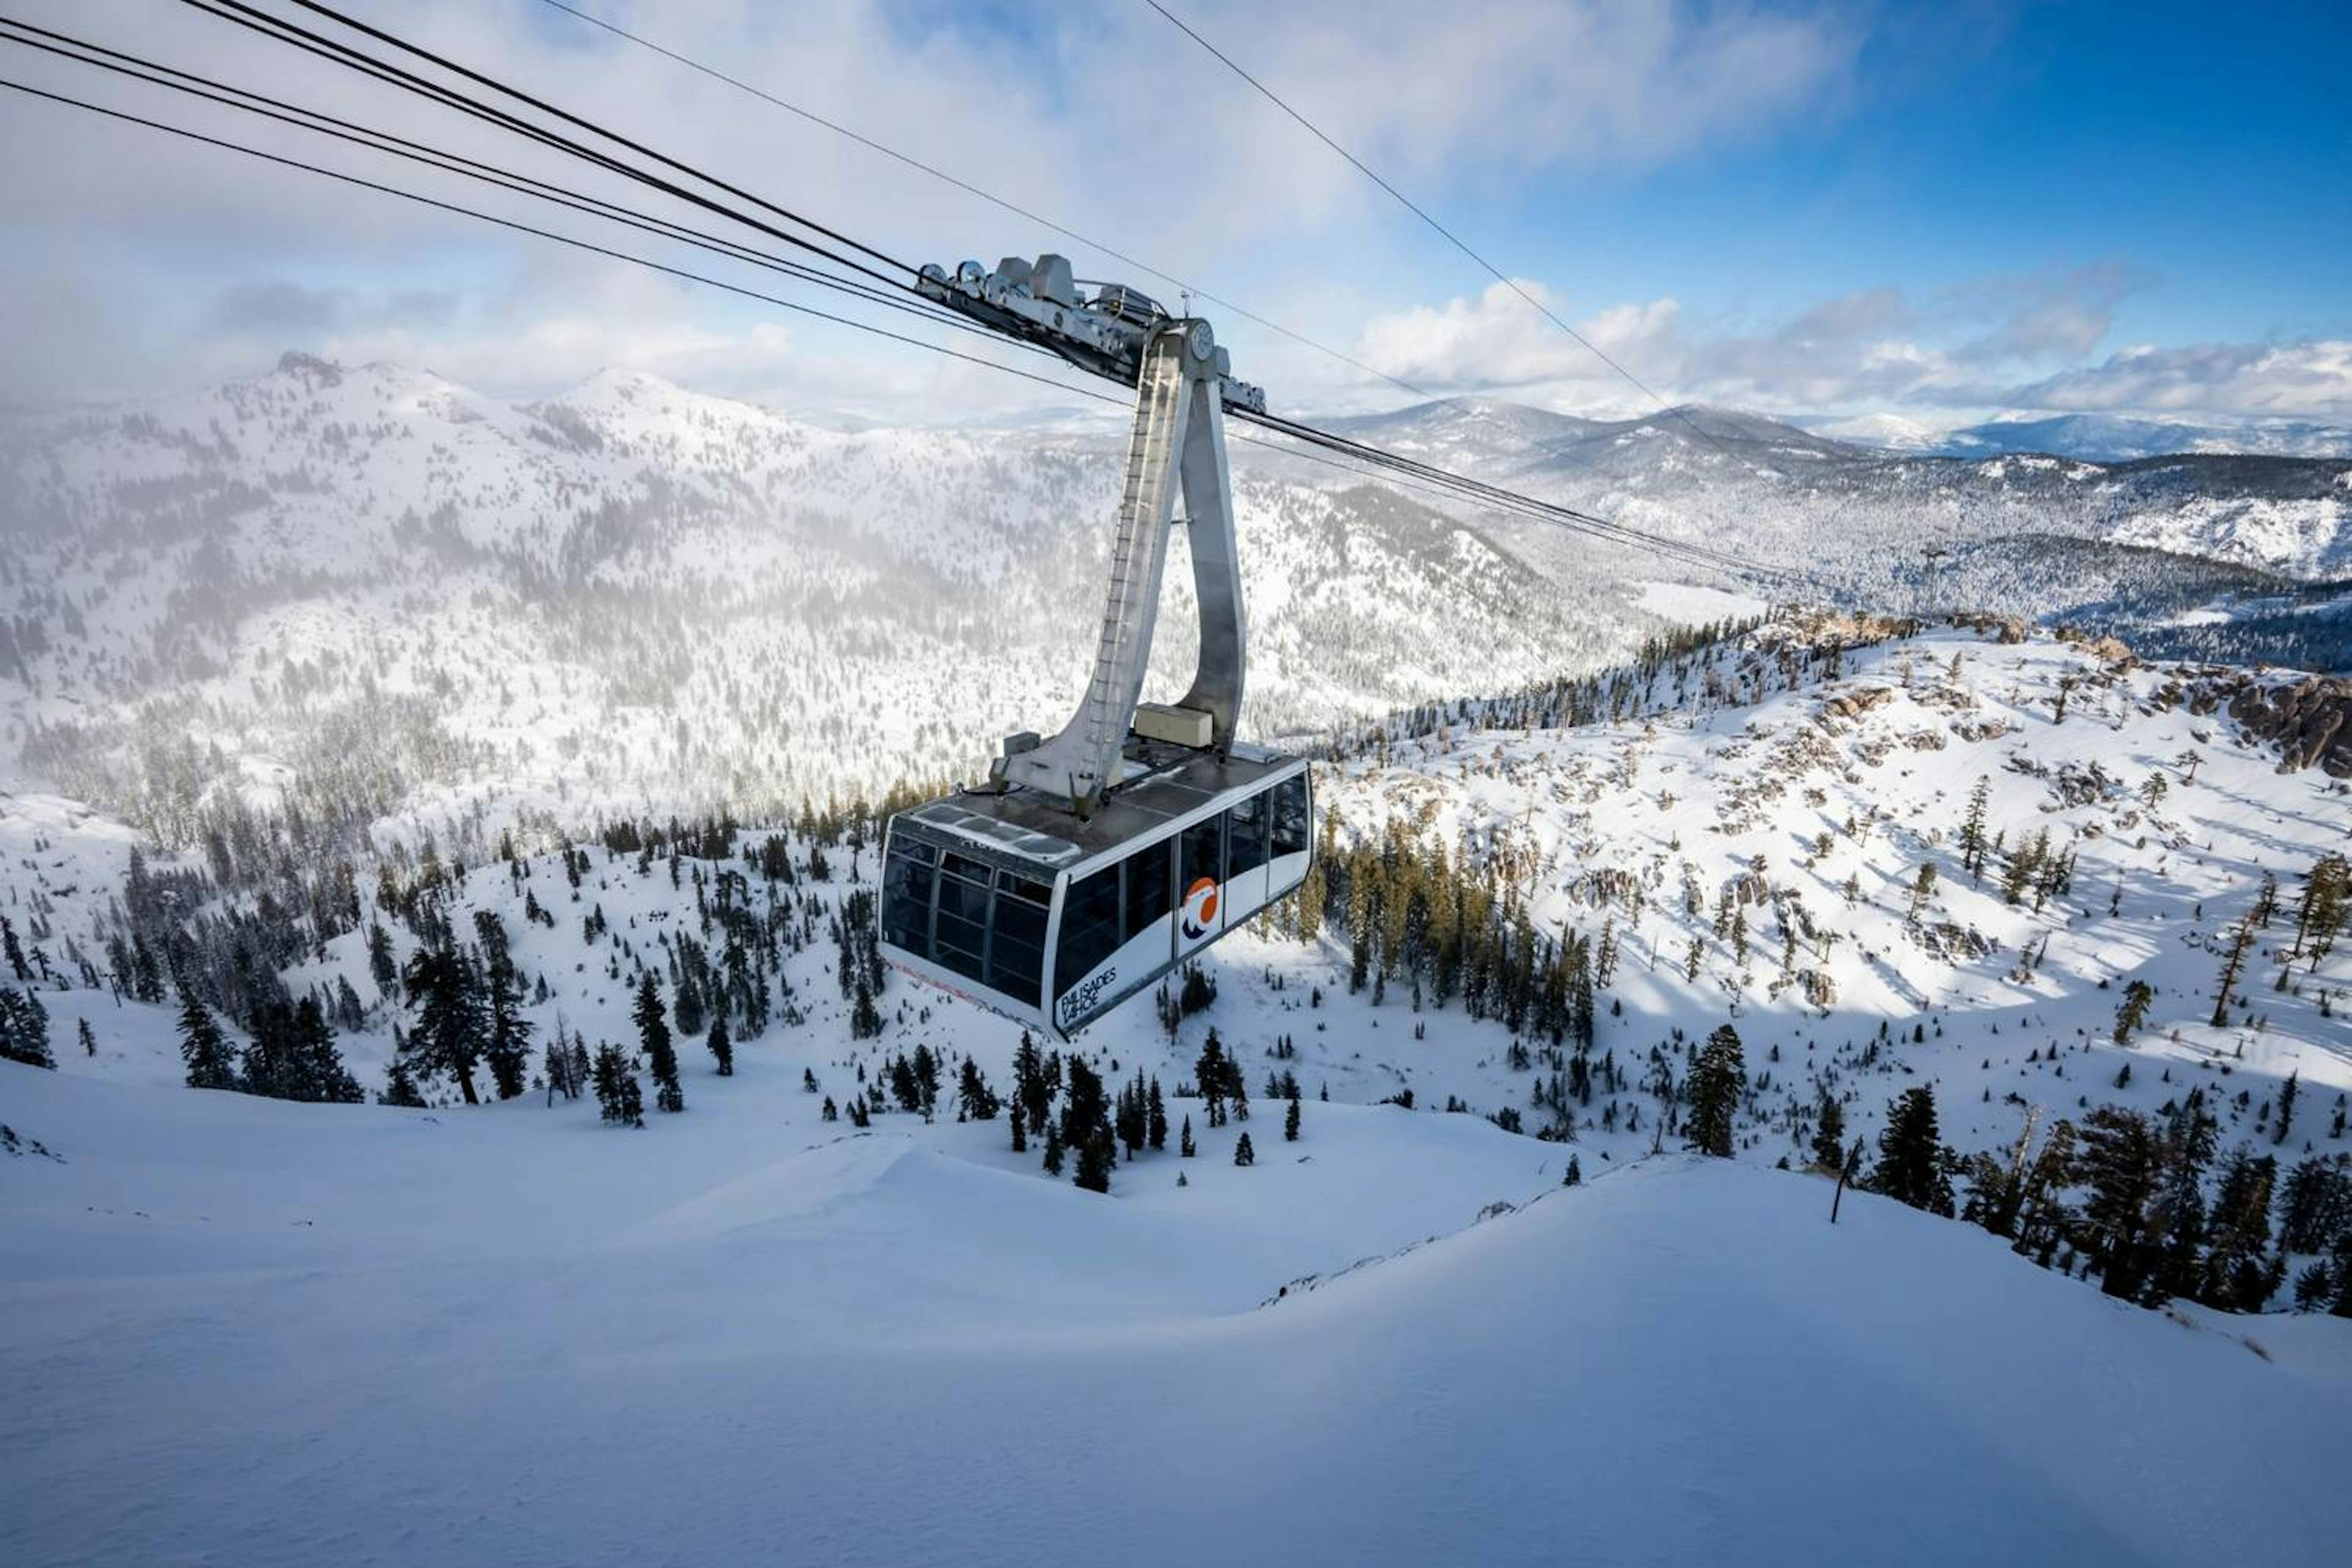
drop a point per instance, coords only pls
(203, 1046)
(1084, 1108)
(2117, 1164)
(1097, 1155)
(1244, 1155)
(722, 1046)
(618, 1099)
(1184, 1145)
(2287, 1093)
(1972, 832)
(448, 1037)
(926, 1068)
(1130, 1120)
(88, 1040)
(1715, 1085)
(1829, 1134)
(1217, 1078)
(2233, 967)
(1032, 1092)
(2316, 1203)
(400, 1085)
(25, 1029)
(1290, 1118)
(2239, 1274)
(380, 964)
(1910, 1167)
(1053, 1148)
(2133, 1012)
(1923, 888)
(317, 1071)
(2177, 1215)
(685, 1005)
(1157, 1114)
(654, 1039)
(506, 1050)
(975, 1100)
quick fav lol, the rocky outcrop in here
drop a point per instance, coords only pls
(2309, 722)
(1854, 704)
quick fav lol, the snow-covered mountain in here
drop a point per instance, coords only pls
(634, 591)
(2092, 438)
(1857, 517)
(505, 1308)
(2120, 439)
(382, 583)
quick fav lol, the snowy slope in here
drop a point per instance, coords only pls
(735, 1346)
(268, 1332)
(635, 592)
(1800, 777)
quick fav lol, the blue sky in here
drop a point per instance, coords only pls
(1928, 214)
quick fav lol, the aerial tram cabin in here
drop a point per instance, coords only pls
(1094, 863)
(1018, 905)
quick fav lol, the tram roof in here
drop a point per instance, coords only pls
(1164, 783)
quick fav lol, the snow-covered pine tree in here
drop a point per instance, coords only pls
(2133, 1011)
(654, 1039)
(448, 1035)
(2233, 967)
(619, 1102)
(1911, 1154)
(1716, 1083)
(25, 1029)
(203, 1046)
(1097, 1155)
(1828, 1134)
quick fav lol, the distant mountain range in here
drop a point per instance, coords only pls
(2093, 438)
(633, 594)
(1859, 515)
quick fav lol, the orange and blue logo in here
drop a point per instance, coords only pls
(1200, 913)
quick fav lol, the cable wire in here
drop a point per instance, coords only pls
(969, 189)
(279, 30)
(1342, 450)
(268, 108)
(570, 240)
(396, 41)
(1448, 235)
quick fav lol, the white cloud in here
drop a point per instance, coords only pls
(2001, 341)
(2311, 378)
(1499, 339)
(1172, 158)
(136, 263)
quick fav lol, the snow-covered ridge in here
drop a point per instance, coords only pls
(635, 590)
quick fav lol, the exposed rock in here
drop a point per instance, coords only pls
(2309, 722)
(1855, 704)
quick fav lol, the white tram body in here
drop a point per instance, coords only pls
(1009, 901)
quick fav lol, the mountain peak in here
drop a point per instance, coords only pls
(309, 368)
